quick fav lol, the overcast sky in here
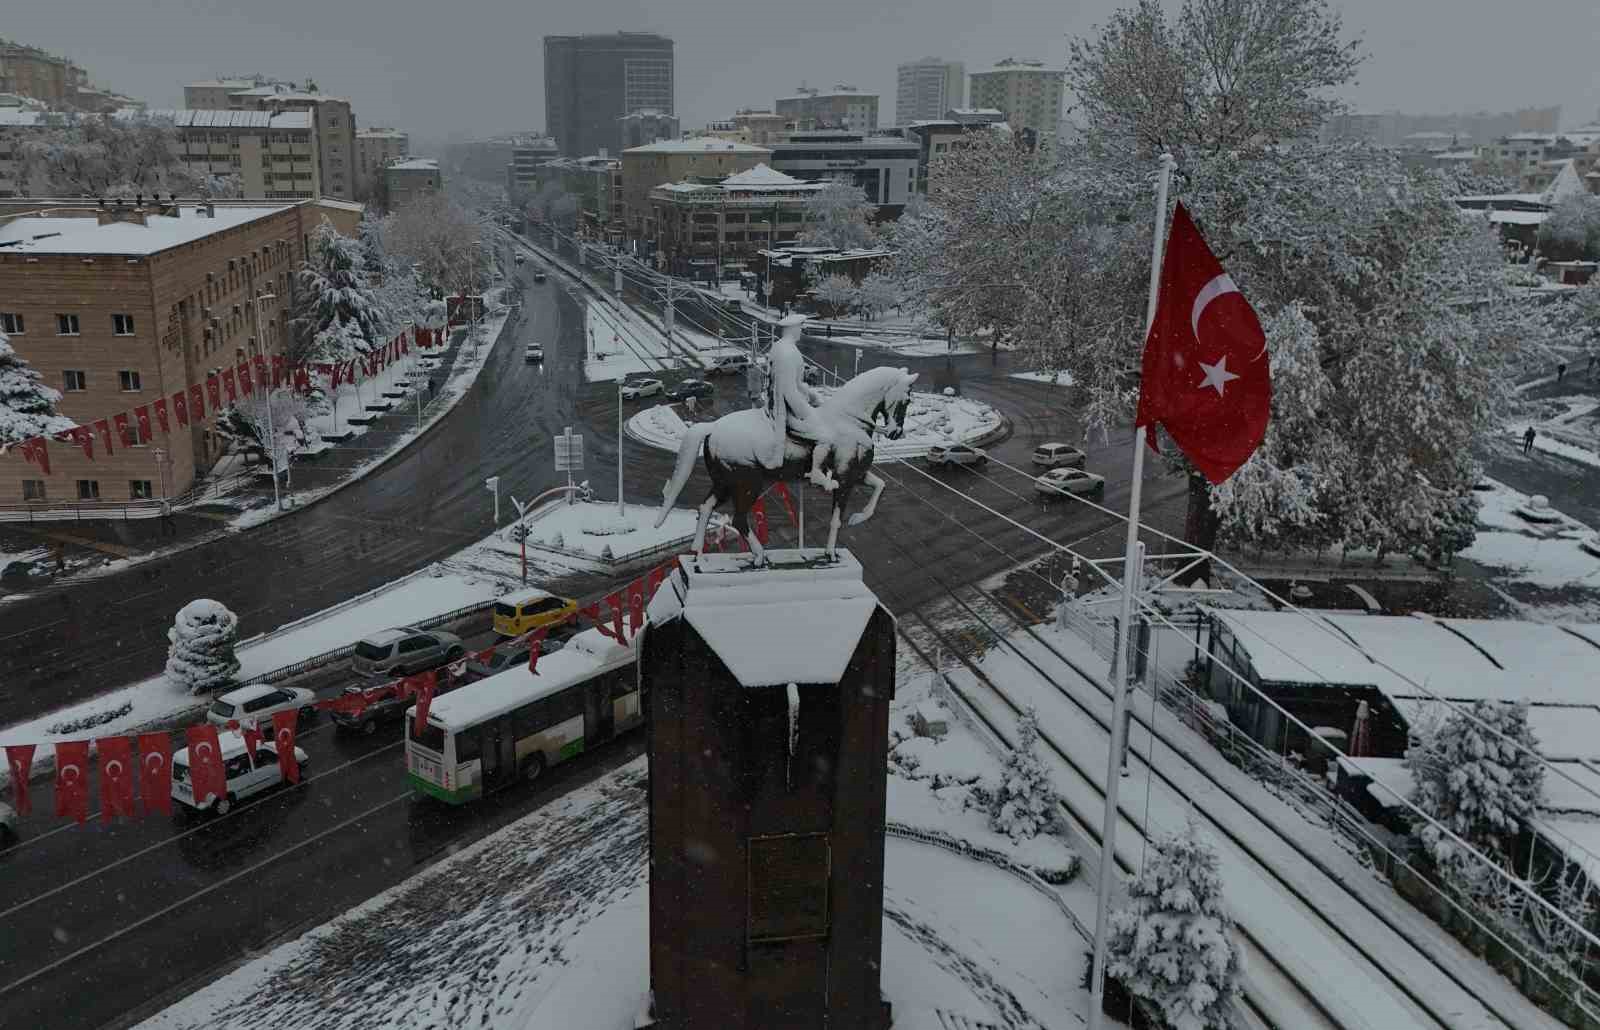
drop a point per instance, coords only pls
(462, 68)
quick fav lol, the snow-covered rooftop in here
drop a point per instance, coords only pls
(760, 177)
(197, 118)
(697, 145)
(380, 134)
(341, 205)
(974, 112)
(416, 164)
(520, 597)
(20, 116)
(786, 623)
(583, 656)
(63, 235)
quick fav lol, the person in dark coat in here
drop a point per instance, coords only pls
(1527, 441)
(1561, 370)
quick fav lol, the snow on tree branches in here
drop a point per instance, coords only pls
(838, 292)
(201, 657)
(27, 405)
(1476, 782)
(441, 240)
(1025, 803)
(340, 309)
(839, 216)
(111, 155)
(1172, 944)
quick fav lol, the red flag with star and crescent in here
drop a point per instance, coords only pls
(116, 777)
(72, 779)
(155, 772)
(1206, 379)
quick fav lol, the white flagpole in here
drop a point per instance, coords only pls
(1120, 666)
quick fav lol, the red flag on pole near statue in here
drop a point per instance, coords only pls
(155, 772)
(758, 520)
(636, 602)
(116, 777)
(72, 779)
(283, 726)
(19, 759)
(1206, 379)
(787, 498)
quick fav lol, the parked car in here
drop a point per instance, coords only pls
(533, 354)
(404, 651)
(520, 258)
(956, 454)
(259, 702)
(1059, 455)
(507, 656)
(641, 388)
(728, 364)
(691, 388)
(386, 709)
(539, 277)
(1070, 481)
(245, 779)
(516, 614)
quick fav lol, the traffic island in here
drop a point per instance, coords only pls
(596, 532)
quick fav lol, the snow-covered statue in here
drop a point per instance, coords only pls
(798, 434)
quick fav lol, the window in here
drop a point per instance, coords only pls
(33, 490)
(66, 325)
(139, 490)
(129, 381)
(11, 323)
(88, 489)
(74, 381)
(468, 745)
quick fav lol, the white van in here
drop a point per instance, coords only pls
(244, 779)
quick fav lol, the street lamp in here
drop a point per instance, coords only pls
(622, 505)
(272, 435)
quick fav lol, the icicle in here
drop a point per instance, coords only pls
(794, 732)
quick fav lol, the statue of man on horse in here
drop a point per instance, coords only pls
(828, 441)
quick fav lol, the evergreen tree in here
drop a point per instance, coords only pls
(201, 657)
(1024, 805)
(27, 406)
(341, 310)
(1172, 944)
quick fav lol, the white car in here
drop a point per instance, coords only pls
(956, 454)
(259, 702)
(533, 354)
(1069, 481)
(244, 779)
(642, 388)
(1059, 455)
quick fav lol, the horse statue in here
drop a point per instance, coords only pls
(832, 446)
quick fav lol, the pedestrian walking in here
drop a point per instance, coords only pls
(61, 558)
(1561, 370)
(1527, 441)
(1591, 364)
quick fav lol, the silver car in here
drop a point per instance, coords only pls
(1069, 481)
(404, 651)
(642, 388)
(956, 454)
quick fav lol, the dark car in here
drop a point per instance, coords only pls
(386, 709)
(507, 656)
(691, 388)
(539, 277)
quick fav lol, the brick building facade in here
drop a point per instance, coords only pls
(119, 307)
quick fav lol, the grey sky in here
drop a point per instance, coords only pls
(472, 67)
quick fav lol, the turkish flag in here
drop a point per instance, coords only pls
(36, 452)
(259, 363)
(180, 408)
(161, 414)
(658, 576)
(124, 430)
(279, 377)
(283, 727)
(252, 737)
(141, 415)
(214, 393)
(788, 503)
(246, 387)
(72, 779)
(1206, 377)
(228, 386)
(616, 604)
(534, 640)
(155, 772)
(116, 777)
(302, 379)
(424, 702)
(103, 427)
(197, 401)
(636, 599)
(83, 436)
(19, 758)
(206, 776)
(758, 516)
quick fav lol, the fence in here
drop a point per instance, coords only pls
(77, 511)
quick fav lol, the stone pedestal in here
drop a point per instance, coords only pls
(768, 695)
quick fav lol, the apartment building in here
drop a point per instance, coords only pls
(273, 153)
(334, 121)
(32, 72)
(405, 181)
(1026, 92)
(642, 128)
(681, 160)
(885, 167)
(843, 107)
(376, 148)
(928, 88)
(592, 81)
(120, 307)
(523, 157)
(700, 226)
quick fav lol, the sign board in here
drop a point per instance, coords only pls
(569, 451)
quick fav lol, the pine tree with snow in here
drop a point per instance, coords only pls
(1483, 785)
(27, 405)
(1025, 803)
(201, 657)
(1172, 944)
(341, 311)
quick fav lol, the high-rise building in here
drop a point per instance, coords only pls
(1026, 92)
(843, 107)
(929, 88)
(590, 82)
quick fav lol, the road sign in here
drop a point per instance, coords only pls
(569, 451)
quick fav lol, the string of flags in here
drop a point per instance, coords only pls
(148, 756)
(220, 389)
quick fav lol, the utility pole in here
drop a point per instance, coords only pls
(272, 435)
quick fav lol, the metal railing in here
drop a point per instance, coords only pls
(77, 511)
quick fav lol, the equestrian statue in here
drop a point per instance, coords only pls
(797, 435)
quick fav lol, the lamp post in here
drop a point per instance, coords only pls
(622, 505)
(493, 484)
(272, 434)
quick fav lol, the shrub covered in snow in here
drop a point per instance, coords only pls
(201, 657)
(1478, 783)
(27, 405)
(1024, 804)
(89, 722)
(1172, 944)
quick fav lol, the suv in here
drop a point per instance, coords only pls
(728, 364)
(1059, 455)
(956, 454)
(244, 779)
(393, 653)
(259, 702)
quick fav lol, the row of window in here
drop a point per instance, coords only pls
(13, 324)
(77, 381)
(88, 490)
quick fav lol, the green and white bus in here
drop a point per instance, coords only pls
(515, 724)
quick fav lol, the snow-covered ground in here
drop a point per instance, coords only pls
(1053, 378)
(618, 347)
(1547, 556)
(931, 419)
(589, 528)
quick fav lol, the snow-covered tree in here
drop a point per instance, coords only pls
(286, 426)
(1477, 783)
(441, 240)
(839, 216)
(877, 293)
(340, 310)
(1172, 944)
(838, 292)
(27, 405)
(201, 657)
(104, 155)
(1024, 804)
(1571, 231)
